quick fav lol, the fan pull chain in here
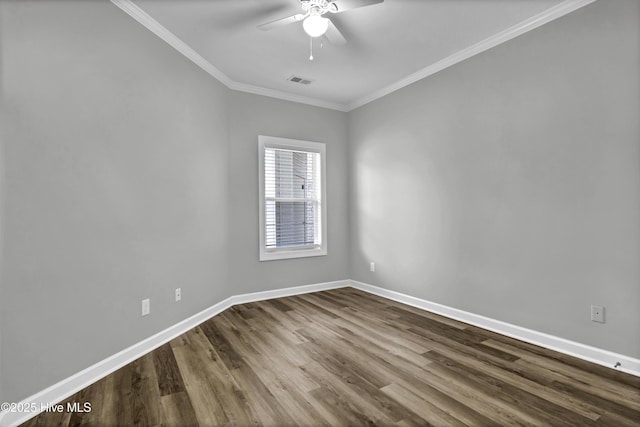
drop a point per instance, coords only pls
(310, 48)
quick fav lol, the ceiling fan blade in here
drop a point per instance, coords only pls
(282, 22)
(236, 18)
(342, 5)
(334, 36)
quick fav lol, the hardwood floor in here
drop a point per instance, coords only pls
(345, 357)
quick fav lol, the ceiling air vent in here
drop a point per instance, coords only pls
(299, 80)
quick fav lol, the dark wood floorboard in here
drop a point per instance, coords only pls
(345, 357)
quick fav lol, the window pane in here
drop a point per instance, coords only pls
(293, 209)
(290, 224)
(291, 174)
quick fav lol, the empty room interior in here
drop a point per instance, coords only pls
(314, 212)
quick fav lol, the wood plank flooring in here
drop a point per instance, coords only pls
(345, 357)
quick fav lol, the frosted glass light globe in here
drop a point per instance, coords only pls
(315, 25)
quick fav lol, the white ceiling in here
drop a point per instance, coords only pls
(390, 44)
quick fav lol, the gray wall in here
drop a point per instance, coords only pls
(126, 166)
(252, 115)
(512, 184)
(116, 184)
(509, 184)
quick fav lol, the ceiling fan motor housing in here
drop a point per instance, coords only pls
(318, 6)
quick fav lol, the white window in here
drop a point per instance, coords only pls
(293, 209)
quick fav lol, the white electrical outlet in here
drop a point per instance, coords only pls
(178, 294)
(597, 313)
(146, 306)
(372, 266)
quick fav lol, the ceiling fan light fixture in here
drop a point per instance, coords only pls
(315, 25)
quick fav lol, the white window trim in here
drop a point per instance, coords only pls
(291, 144)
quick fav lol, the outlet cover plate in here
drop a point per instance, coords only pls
(597, 313)
(146, 306)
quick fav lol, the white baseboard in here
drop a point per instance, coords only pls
(84, 378)
(602, 357)
(286, 292)
(88, 376)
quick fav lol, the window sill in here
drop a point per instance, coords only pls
(266, 255)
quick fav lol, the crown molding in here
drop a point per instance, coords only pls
(259, 90)
(172, 40)
(527, 25)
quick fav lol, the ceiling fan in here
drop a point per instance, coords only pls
(313, 21)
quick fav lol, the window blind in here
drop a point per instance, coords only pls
(292, 198)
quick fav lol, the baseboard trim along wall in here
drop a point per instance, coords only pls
(602, 357)
(67, 387)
